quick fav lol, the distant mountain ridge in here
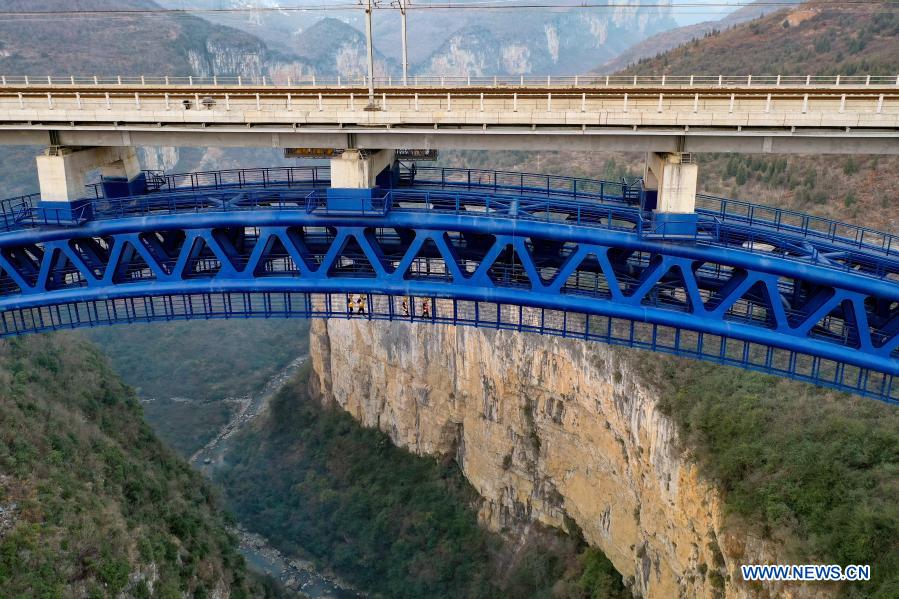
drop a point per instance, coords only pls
(538, 43)
(812, 38)
(666, 40)
(332, 47)
(453, 42)
(167, 44)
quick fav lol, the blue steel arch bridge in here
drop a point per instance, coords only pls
(753, 286)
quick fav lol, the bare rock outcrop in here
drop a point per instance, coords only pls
(547, 429)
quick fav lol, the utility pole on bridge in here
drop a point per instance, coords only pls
(371, 55)
(403, 4)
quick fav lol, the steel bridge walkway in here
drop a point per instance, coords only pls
(757, 287)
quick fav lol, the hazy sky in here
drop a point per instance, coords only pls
(690, 15)
(684, 15)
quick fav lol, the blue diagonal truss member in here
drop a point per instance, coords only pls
(756, 287)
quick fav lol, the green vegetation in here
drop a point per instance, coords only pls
(187, 425)
(317, 483)
(802, 464)
(599, 579)
(202, 359)
(823, 42)
(92, 503)
(184, 370)
(800, 183)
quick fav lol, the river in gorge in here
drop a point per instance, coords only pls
(294, 573)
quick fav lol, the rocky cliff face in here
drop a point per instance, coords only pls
(248, 58)
(453, 42)
(159, 158)
(546, 429)
(333, 47)
(540, 42)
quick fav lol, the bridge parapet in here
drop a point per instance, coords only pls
(751, 118)
(636, 81)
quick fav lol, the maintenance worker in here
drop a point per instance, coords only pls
(360, 304)
(426, 308)
(349, 304)
(406, 307)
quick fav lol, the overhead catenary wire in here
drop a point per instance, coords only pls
(692, 8)
(448, 5)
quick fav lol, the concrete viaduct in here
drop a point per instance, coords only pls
(90, 123)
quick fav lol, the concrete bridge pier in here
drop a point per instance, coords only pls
(62, 172)
(356, 175)
(669, 179)
(360, 169)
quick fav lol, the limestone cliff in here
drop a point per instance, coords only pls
(551, 430)
(536, 43)
(249, 58)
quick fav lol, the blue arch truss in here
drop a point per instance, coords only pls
(755, 287)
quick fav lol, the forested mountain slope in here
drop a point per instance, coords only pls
(813, 38)
(672, 38)
(91, 503)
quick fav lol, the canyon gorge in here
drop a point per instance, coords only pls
(558, 431)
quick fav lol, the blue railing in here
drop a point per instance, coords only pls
(278, 176)
(521, 183)
(491, 315)
(712, 230)
(791, 221)
(202, 200)
(378, 204)
(718, 209)
(754, 220)
(723, 209)
(572, 212)
(17, 212)
(575, 212)
(283, 176)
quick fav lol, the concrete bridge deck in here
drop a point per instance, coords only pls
(762, 117)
